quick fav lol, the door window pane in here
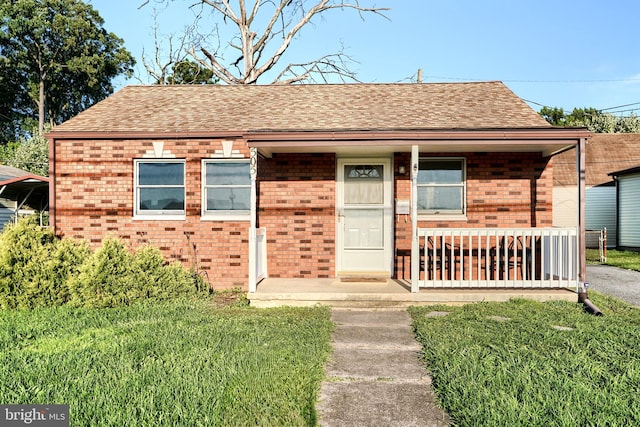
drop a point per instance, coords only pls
(363, 184)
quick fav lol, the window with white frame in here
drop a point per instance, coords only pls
(160, 187)
(226, 187)
(441, 186)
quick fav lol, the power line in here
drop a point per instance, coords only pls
(620, 106)
(539, 81)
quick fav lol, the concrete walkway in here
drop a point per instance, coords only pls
(375, 376)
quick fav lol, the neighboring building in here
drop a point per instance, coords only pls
(320, 181)
(628, 208)
(22, 193)
(605, 152)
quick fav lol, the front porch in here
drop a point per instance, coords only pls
(388, 293)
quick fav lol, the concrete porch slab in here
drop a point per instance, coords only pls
(275, 292)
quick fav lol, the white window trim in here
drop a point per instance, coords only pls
(169, 216)
(446, 215)
(205, 215)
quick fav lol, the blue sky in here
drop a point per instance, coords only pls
(557, 53)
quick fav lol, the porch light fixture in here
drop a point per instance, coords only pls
(402, 169)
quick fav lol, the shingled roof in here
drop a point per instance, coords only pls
(606, 152)
(215, 108)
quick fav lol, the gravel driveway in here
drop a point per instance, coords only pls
(614, 281)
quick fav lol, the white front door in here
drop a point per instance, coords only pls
(364, 217)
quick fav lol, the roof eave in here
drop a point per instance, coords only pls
(548, 141)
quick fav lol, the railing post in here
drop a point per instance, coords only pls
(253, 253)
(415, 242)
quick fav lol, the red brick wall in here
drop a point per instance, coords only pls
(501, 190)
(94, 199)
(297, 206)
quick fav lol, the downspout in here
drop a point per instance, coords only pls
(583, 296)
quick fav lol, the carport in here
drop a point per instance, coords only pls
(27, 190)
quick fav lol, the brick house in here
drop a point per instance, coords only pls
(322, 181)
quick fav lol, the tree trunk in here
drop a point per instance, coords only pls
(41, 107)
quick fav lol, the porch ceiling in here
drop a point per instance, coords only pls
(545, 141)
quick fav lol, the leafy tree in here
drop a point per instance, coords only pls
(62, 58)
(556, 116)
(591, 118)
(30, 153)
(189, 72)
(262, 32)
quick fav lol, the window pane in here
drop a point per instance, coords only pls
(157, 173)
(159, 199)
(228, 174)
(363, 185)
(440, 172)
(363, 172)
(440, 198)
(228, 199)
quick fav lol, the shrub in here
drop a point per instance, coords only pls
(105, 279)
(164, 281)
(37, 269)
(35, 266)
(113, 276)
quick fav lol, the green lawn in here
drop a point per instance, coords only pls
(173, 364)
(524, 363)
(624, 259)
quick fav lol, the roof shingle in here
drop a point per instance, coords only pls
(605, 153)
(216, 108)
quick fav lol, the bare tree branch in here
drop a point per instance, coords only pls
(281, 18)
(218, 69)
(326, 66)
(160, 68)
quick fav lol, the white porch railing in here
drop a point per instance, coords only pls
(495, 257)
(257, 256)
(261, 253)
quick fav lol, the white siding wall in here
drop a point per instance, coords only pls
(601, 211)
(629, 210)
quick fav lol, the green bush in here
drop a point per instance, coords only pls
(113, 276)
(106, 278)
(35, 266)
(37, 270)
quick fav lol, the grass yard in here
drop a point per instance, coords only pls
(524, 363)
(624, 259)
(629, 260)
(174, 364)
